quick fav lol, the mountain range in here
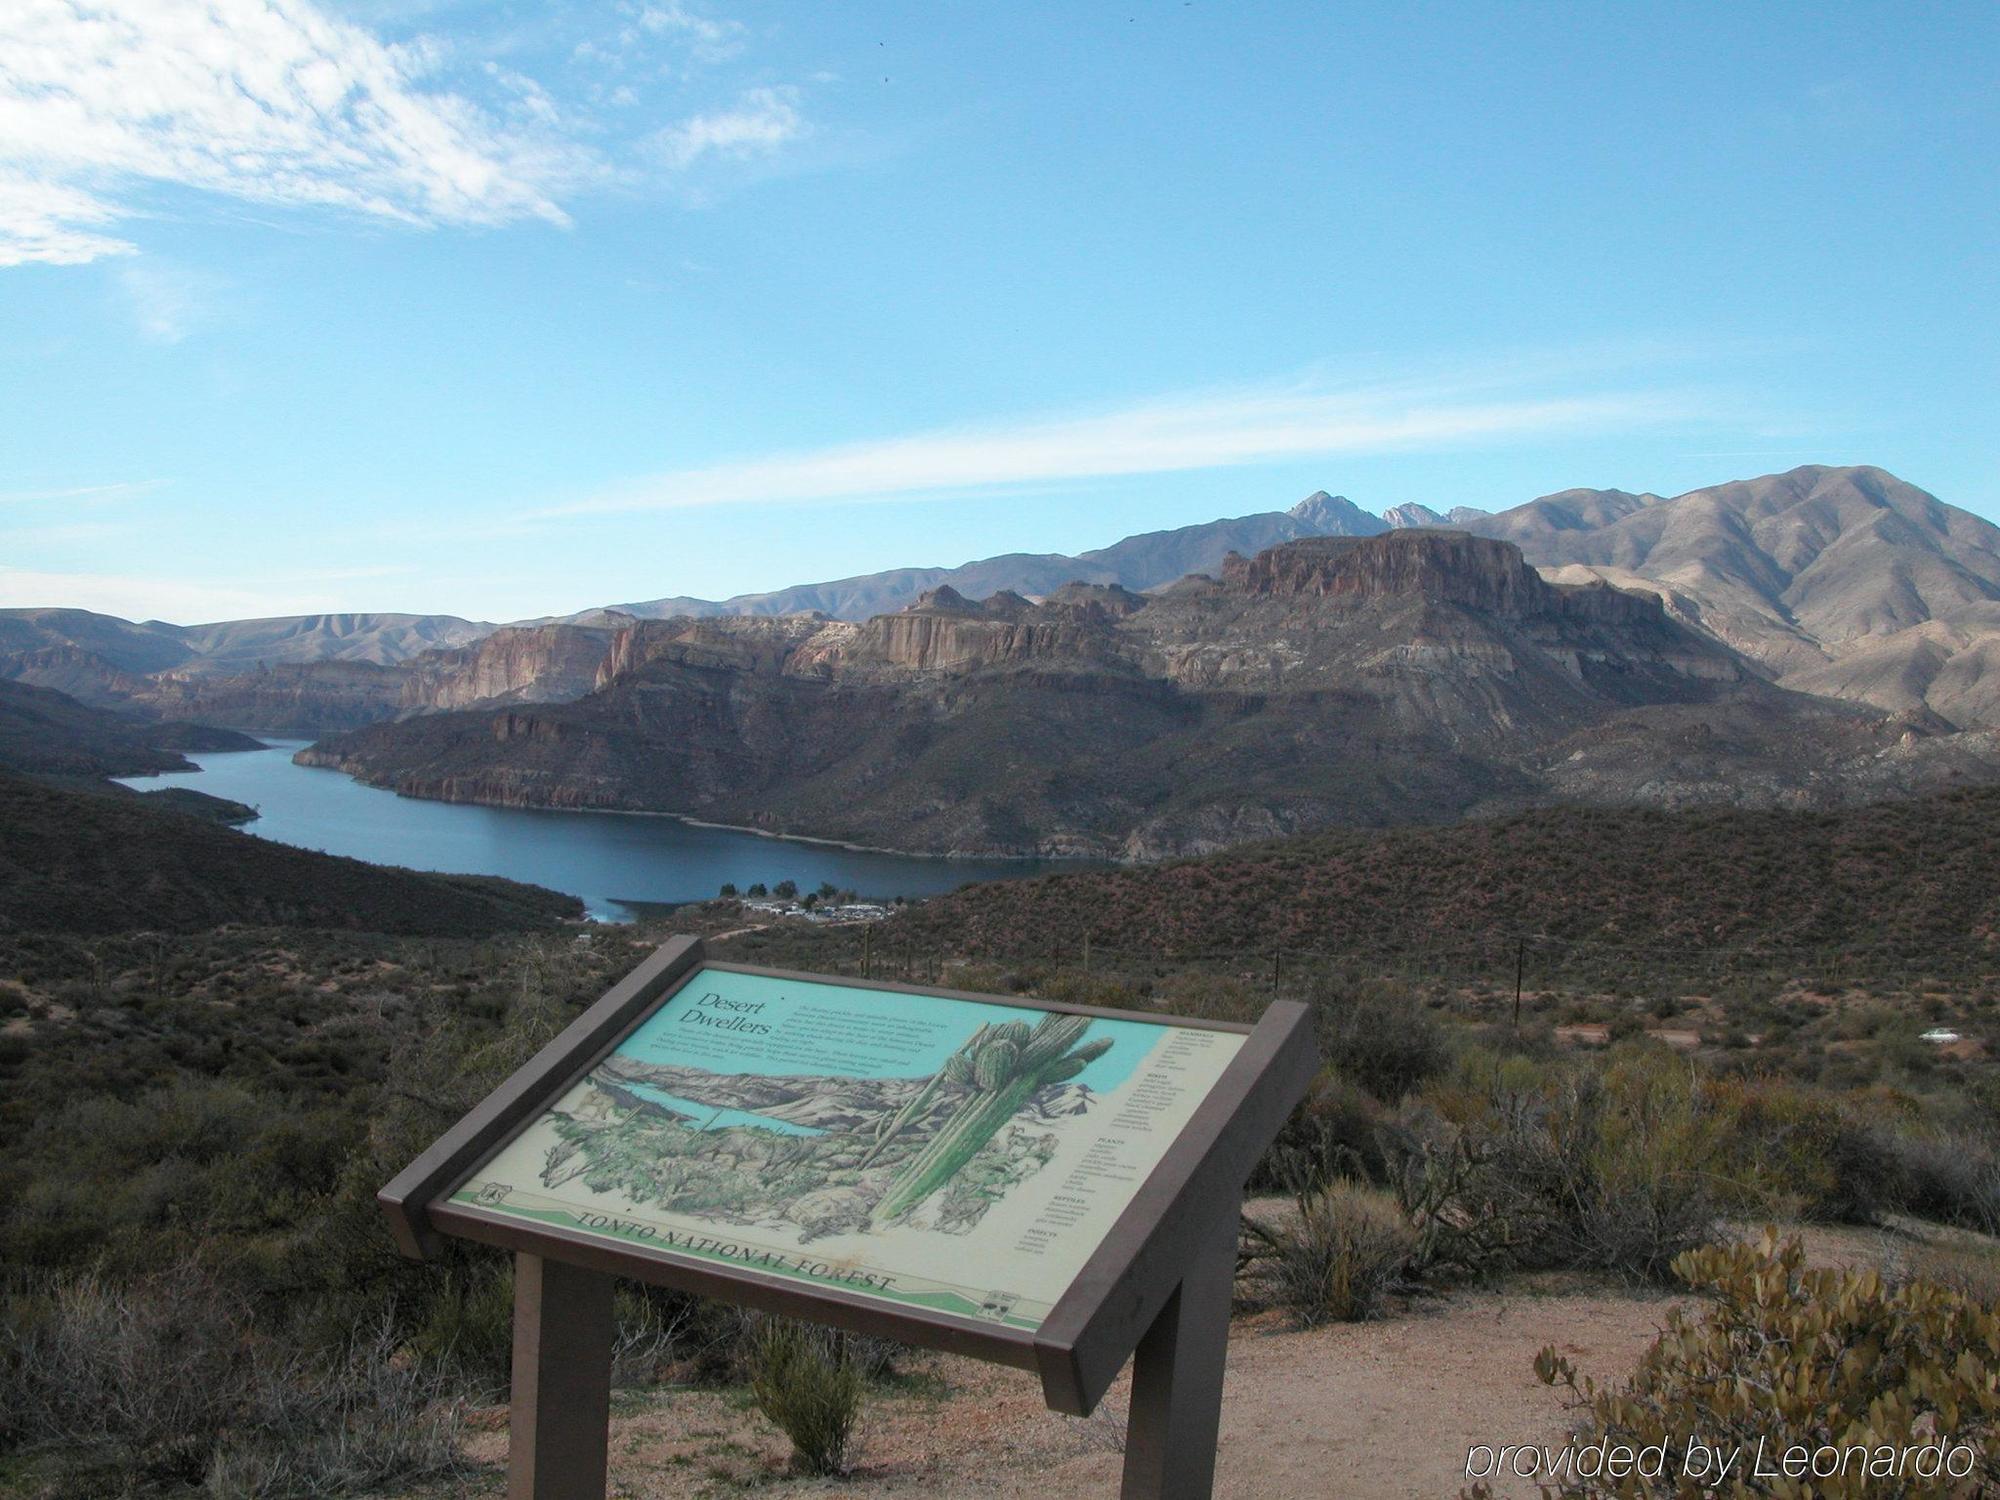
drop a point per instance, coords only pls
(1846, 582)
(1413, 675)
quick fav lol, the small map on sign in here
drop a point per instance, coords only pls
(890, 1144)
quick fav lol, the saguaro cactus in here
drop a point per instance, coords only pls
(1004, 1066)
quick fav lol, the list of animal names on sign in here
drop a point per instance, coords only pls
(1161, 1096)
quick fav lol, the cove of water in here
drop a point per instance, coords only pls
(607, 859)
(711, 1116)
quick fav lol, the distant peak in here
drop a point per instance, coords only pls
(1405, 517)
(1336, 515)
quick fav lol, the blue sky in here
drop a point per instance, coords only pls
(501, 310)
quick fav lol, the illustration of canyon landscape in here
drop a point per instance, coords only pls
(820, 1154)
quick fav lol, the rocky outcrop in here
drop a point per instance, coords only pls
(944, 632)
(755, 644)
(522, 664)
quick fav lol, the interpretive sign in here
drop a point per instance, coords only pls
(1030, 1183)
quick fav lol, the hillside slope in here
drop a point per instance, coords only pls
(47, 733)
(1836, 580)
(1913, 879)
(75, 861)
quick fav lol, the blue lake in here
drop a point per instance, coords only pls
(607, 859)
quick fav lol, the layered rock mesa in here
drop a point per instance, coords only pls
(1412, 676)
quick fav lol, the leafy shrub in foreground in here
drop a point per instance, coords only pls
(1832, 1363)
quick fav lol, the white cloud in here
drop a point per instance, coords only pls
(268, 101)
(145, 598)
(44, 221)
(1211, 431)
(762, 120)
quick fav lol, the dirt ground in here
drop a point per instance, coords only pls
(1378, 1411)
(1386, 1409)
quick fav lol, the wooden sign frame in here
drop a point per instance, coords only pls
(1157, 1284)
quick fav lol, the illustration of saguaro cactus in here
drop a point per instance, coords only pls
(913, 1112)
(1004, 1069)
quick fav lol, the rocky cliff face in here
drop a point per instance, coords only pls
(757, 644)
(944, 632)
(524, 664)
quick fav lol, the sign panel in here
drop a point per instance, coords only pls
(928, 1152)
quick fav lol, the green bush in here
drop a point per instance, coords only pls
(807, 1385)
(1833, 1365)
(1334, 1132)
(1613, 1167)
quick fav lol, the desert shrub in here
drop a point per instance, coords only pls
(1833, 1363)
(466, 1323)
(1953, 1177)
(338, 1426)
(163, 1385)
(1380, 1036)
(1618, 1168)
(1803, 1153)
(1335, 1131)
(1337, 1257)
(1614, 1168)
(807, 1385)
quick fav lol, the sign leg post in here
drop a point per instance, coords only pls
(1177, 1372)
(559, 1422)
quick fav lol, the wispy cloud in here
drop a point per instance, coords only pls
(761, 121)
(84, 493)
(166, 301)
(1209, 431)
(712, 38)
(277, 102)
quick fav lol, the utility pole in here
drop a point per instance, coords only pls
(1520, 970)
(1086, 955)
(867, 950)
(1277, 967)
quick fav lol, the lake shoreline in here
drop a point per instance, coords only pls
(617, 866)
(987, 856)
